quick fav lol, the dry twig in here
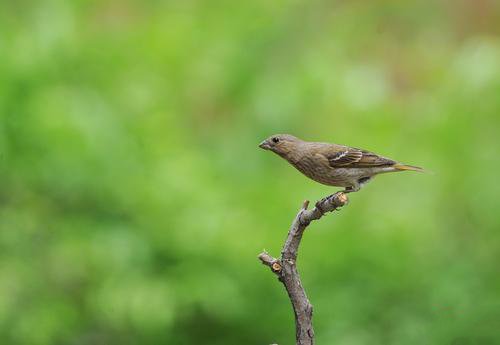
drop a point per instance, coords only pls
(286, 270)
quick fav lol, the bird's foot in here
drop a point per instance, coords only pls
(330, 198)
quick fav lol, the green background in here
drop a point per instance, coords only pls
(134, 199)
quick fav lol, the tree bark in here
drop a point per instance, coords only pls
(286, 269)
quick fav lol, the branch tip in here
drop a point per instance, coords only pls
(267, 259)
(343, 199)
(305, 205)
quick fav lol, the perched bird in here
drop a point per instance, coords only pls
(332, 164)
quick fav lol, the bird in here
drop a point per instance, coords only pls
(333, 164)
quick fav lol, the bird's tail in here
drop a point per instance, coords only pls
(403, 167)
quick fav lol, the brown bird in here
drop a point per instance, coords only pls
(332, 164)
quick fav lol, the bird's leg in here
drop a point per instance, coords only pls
(354, 188)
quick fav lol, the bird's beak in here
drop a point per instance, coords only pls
(264, 145)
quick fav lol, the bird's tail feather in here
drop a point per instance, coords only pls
(403, 167)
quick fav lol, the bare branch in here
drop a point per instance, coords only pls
(285, 267)
(268, 260)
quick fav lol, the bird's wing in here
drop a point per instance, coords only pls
(350, 157)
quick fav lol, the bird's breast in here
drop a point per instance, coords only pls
(319, 170)
(310, 167)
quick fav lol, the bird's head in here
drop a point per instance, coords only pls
(282, 144)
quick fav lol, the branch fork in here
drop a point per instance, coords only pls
(285, 266)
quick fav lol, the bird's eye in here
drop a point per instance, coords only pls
(275, 140)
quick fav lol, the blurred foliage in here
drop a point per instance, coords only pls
(134, 198)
